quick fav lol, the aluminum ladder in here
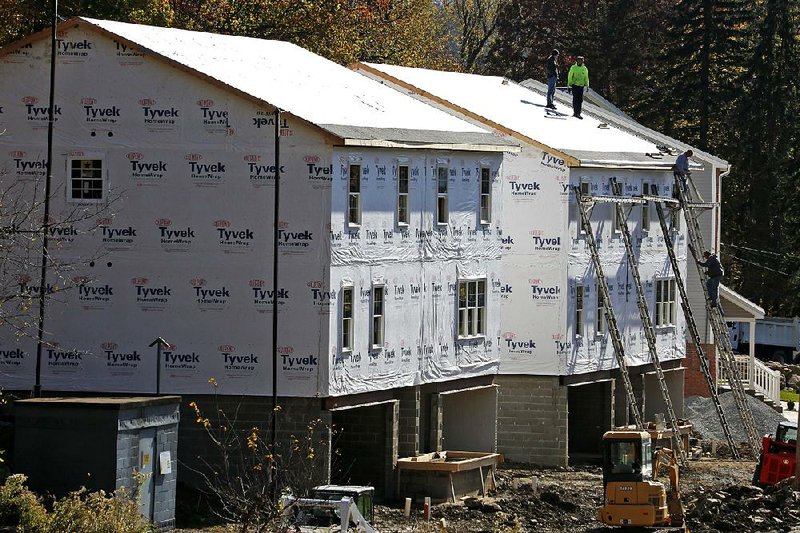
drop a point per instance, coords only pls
(611, 318)
(718, 325)
(691, 324)
(647, 323)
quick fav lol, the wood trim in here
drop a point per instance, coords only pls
(568, 159)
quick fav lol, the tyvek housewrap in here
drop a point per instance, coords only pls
(418, 265)
(183, 250)
(543, 259)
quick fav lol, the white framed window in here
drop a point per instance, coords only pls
(486, 195)
(402, 196)
(601, 327)
(646, 208)
(86, 182)
(354, 196)
(377, 317)
(441, 195)
(579, 311)
(471, 308)
(347, 319)
(617, 219)
(675, 220)
(585, 189)
(665, 302)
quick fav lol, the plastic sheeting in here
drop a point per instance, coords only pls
(182, 248)
(544, 260)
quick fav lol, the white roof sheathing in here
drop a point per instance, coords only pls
(293, 79)
(521, 110)
(608, 112)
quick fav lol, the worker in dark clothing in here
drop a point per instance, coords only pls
(681, 168)
(578, 81)
(552, 77)
(714, 271)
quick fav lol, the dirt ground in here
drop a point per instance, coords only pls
(716, 493)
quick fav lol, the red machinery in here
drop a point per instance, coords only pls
(778, 455)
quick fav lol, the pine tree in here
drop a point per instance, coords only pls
(707, 42)
(762, 209)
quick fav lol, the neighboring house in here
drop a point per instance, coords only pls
(707, 177)
(389, 268)
(558, 371)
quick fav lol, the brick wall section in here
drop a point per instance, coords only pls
(532, 419)
(409, 421)
(694, 381)
(246, 412)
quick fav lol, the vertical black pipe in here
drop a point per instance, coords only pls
(275, 292)
(37, 387)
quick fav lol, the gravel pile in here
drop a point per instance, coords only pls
(701, 412)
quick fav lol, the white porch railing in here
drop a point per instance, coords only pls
(755, 376)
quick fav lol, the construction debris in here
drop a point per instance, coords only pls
(717, 494)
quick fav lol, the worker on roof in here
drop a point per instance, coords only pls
(578, 81)
(681, 168)
(714, 271)
(552, 77)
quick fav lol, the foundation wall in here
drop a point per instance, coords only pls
(532, 419)
(591, 413)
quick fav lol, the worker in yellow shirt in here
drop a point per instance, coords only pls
(578, 81)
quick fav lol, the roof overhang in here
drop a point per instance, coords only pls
(737, 308)
(434, 140)
(376, 74)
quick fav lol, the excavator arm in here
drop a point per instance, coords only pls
(665, 459)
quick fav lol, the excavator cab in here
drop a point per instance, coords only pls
(632, 496)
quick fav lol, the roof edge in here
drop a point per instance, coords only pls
(634, 127)
(736, 298)
(361, 66)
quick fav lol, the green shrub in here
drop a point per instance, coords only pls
(21, 508)
(98, 512)
(80, 511)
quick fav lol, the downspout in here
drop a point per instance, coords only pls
(718, 232)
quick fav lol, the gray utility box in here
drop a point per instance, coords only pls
(63, 444)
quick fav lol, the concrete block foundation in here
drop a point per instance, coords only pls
(532, 419)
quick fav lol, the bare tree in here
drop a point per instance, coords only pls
(474, 24)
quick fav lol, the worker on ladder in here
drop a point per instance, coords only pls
(714, 271)
(681, 168)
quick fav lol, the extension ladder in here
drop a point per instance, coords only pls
(647, 323)
(718, 325)
(611, 318)
(691, 324)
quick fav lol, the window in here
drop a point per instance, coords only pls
(402, 196)
(665, 302)
(579, 310)
(601, 326)
(441, 195)
(675, 219)
(354, 196)
(85, 180)
(377, 317)
(646, 208)
(471, 308)
(347, 319)
(584, 190)
(486, 195)
(617, 218)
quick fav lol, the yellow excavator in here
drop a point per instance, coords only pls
(633, 496)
